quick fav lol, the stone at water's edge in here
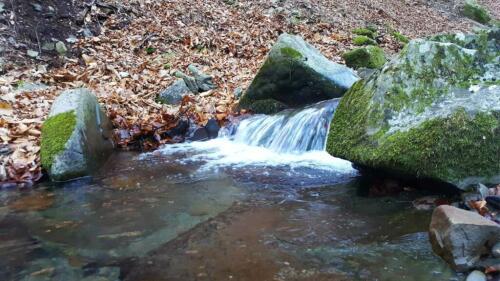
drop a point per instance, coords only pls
(461, 237)
(434, 112)
(76, 138)
(295, 74)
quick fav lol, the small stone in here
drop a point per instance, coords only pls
(495, 251)
(174, 93)
(61, 48)
(32, 54)
(123, 74)
(212, 128)
(71, 39)
(87, 32)
(48, 46)
(238, 92)
(476, 275)
(37, 7)
(1, 7)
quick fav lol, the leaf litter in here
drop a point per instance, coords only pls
(144, 42)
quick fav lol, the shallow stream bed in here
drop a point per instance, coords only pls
(182, 214)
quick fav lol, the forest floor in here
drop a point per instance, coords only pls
(127, 52)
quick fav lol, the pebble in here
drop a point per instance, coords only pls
(495, 251)
(37, 7)
(61, 48)
(476, 275)
(1, 6)
(32, 53)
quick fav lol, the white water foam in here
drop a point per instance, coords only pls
(292, 139)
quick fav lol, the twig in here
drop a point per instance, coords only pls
(38, 39)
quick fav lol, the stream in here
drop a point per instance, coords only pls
(263, 201)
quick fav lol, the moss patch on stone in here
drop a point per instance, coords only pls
(450, 148)
(291, 53)
(362, 40)
(365, 32)
(476, 12)
(56, 131)
(369, 57)
(400, 37)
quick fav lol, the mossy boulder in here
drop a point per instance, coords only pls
(296, 74)
(362, 40)
(367, 57)
(368, 32)
(433, 113)
(476, 12)
(76, 137)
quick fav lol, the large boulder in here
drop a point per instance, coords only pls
(432, 113)
(76, 137)
(462, 237)
(296, 74)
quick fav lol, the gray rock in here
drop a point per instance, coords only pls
(238, 92)
(174, 93)
(2, 5)
(30, 87)
(37, 7)
(1, 65)
(433, 112)
(495, 251)
(212, 128)
(461, 237)
(476, 275)
(296, 74)
(87, 33)
(48, 46)
(76, 138)
(61, 48)
(190, 81)
(32, 53)
(203, 81)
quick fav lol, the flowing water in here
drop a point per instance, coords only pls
(261, 202)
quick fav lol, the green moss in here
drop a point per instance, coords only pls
(291, 53)
(400, 37)
(267, 106)
(56, 131)
(452, 147)
(476, 12)
(365, 32)
(370, 57)
(362, 40)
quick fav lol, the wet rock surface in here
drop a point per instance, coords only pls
(461, 237)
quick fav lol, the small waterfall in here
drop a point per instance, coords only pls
(290, 131)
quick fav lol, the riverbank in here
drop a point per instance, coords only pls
(139, 48)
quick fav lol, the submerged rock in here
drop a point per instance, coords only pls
(432, 113)
(296, 74)
(76, 136)
(461, 237)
